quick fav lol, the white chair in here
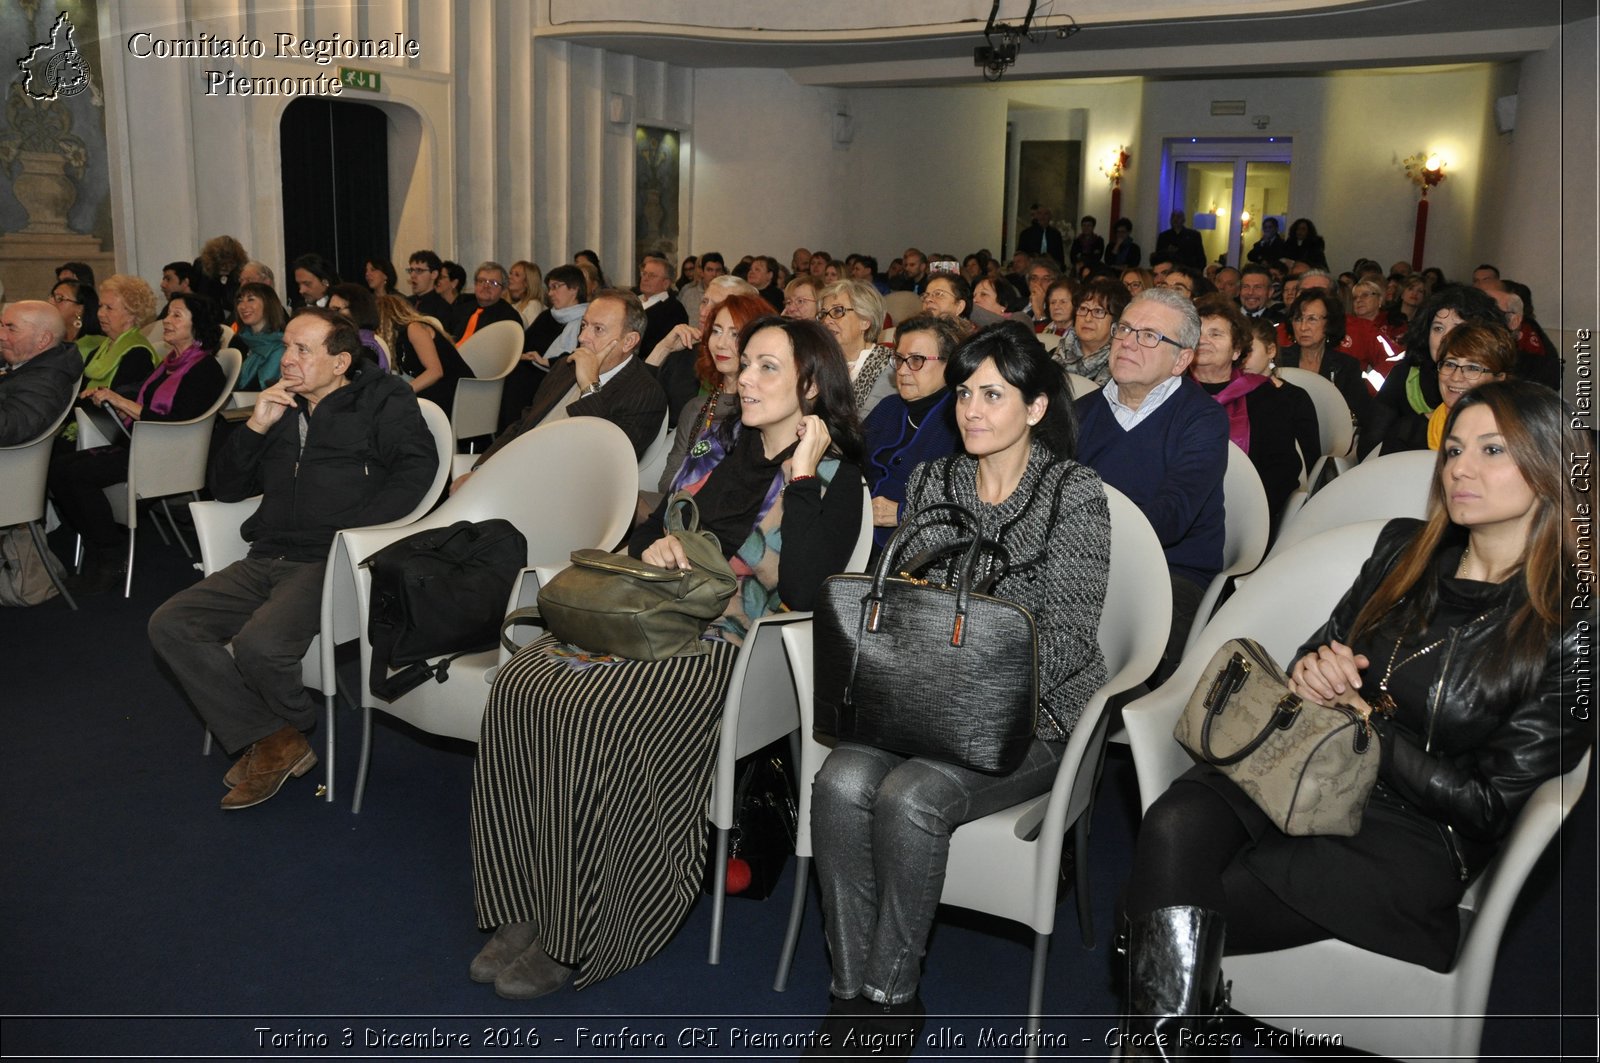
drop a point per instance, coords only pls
(383, 348)
(567, 485)
(1394, 485)
(764, 704)
(24, 472)
(902, 306)
(1247, 524)
(654, 460)
(1081, 385)
(492, 354)
(217, 525)
(167, 458)
(1336, 425)
(1026, 839)
(1391, 1008)
(1280, 605)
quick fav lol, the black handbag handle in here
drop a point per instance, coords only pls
(887, 563)
(1283, 717)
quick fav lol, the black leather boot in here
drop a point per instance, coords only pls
(1172, 989)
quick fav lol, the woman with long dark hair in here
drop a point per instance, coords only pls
(1452, 643)
(881, 822)
(593, 773)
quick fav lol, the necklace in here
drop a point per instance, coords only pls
(1462, 567)
(708, 413)
(1384, 703)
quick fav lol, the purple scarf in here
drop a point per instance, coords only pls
(167, 378)
(1232, 399)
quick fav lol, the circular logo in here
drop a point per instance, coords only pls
(67, 74)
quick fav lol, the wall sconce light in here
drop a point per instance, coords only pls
(1425, 170)
(1112, 165)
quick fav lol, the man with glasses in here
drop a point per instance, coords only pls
(1159, 438)
(423, 274)
(335, 443)
(662, 312)
(489, 289)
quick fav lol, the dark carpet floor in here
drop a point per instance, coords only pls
(142, 922)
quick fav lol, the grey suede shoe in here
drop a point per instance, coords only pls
(533, 974)
(506, 944)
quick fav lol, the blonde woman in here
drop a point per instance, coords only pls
(422, 351)
(524, 285)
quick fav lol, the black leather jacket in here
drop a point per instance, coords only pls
(1466, 763)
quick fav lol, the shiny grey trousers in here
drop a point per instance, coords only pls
(880, 832)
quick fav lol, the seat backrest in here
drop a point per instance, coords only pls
(654, 459)
(1081, 385)
(902, 306)
(1394, 485)
(169, 457)
(24, 469)
(1246, 517)
(493, 350)
(1138, 596)
(1334, 424)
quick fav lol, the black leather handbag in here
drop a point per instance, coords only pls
(925, 670)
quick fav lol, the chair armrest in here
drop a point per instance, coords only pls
(525, 593)
(1158, 759)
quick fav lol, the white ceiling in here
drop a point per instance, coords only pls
(1225, 39)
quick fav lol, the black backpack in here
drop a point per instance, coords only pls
(439, 592)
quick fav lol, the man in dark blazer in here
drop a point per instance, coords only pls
(1182, 243)
(489, 306)
(1268, 250)
(602, 378)
(1042, 238)
(662, 312)
(38, 372)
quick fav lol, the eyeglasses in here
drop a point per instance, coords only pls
(1309, 319)
(484, 282)
(1470, 370)
(59, 299)
(937, 295)
(1146, 337)
(1096, 312)
(913, 362)
(835, 312)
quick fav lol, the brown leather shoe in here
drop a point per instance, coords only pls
(240, 770)
(510, 940)
(282, 753)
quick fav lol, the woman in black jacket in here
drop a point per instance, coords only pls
(1451, 643)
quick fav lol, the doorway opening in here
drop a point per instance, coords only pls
(1226, 187)
(335, 165)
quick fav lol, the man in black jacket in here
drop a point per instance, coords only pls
(39, 374)
(334, 444)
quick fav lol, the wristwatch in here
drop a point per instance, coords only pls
(592, 389)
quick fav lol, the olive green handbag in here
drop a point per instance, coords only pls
(615, 604)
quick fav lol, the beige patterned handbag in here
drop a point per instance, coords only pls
(1308, 766)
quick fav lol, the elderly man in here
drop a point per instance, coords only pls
(488, 289)
(40, 373)
(1156, 436)
(662, 312)
(1227, 282)
(1536, 357)
(335, 443)
(602, 378)
(254, 272)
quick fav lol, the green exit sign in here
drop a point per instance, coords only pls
(367, 80)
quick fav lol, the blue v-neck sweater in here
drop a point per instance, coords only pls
(1171, 467)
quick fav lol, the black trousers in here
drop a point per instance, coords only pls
(78, 479)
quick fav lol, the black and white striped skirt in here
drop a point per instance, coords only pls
(589, 800)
